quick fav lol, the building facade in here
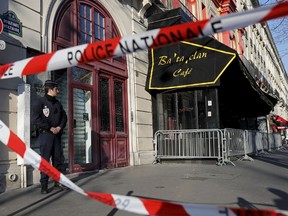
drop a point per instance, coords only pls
(110, 115)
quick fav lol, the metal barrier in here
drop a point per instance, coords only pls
(213, 144)
(189, 144)
(244, 142)
(235, 144)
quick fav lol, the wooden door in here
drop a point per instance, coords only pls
(113, 121)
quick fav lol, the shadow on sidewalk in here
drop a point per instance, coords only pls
(277, 158)
(11, 196)
(281, 202)
(243, 203)
(40, 200)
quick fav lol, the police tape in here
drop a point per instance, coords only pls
(135, 205)
(115, 47)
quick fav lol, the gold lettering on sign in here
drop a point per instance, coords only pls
(181, 72)
(197, 55)
(165, 60)
(178, 58)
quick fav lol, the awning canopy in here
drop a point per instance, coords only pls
(195, 63)
(203, 63)
(241, 95)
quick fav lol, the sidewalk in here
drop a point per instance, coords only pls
(262, 183)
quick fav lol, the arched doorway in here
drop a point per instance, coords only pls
(95, 94)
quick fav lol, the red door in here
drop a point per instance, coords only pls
(81, 102)
(112, 121)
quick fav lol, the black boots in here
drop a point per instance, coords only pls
(44, 188)
(58, 186)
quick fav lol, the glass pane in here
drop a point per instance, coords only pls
(104, 104)
(82, 126)
(82, 38)
(81, 75)
(101, 23)
(169, 115)
(85, 24)
(99, 28)
(82, 10)
(201, 110)
(82, 24)
(96, 20)
(186, 110)
(89, 39)
(88, 9)
(102, 34)
(118, 89)
(88, 28)
(96, 35)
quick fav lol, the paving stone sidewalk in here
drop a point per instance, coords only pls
(262, 184)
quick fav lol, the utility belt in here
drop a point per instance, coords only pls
(48, 131)
(44, 131)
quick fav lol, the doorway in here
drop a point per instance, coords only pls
(81, 120)
(81, 149)
(113, 125)
(97, 96)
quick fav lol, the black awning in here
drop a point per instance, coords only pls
(194, 63)
(202, 63)
(240, 96)
(205, 63)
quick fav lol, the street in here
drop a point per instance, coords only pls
(260, 184)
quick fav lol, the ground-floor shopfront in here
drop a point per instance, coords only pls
(202, 84)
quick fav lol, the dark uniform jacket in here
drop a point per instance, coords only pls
(48, 112)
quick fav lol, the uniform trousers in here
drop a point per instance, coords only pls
(50, 147)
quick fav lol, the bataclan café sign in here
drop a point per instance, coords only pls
(11, 23)
(187, 64)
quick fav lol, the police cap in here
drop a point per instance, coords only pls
(50, 84)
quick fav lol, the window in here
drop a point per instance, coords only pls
(85, 24)
(99, 26)
(195, 109)
(92, 25)
(81, 75)
(118, 92)
(104, 106)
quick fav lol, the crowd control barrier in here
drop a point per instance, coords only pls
(242, 143)
(189, 144)
(217, 144)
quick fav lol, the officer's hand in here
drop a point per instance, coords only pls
(57, 130)
(52, 129)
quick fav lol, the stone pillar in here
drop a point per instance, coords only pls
(23, 126)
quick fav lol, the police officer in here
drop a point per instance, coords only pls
(50, 119)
